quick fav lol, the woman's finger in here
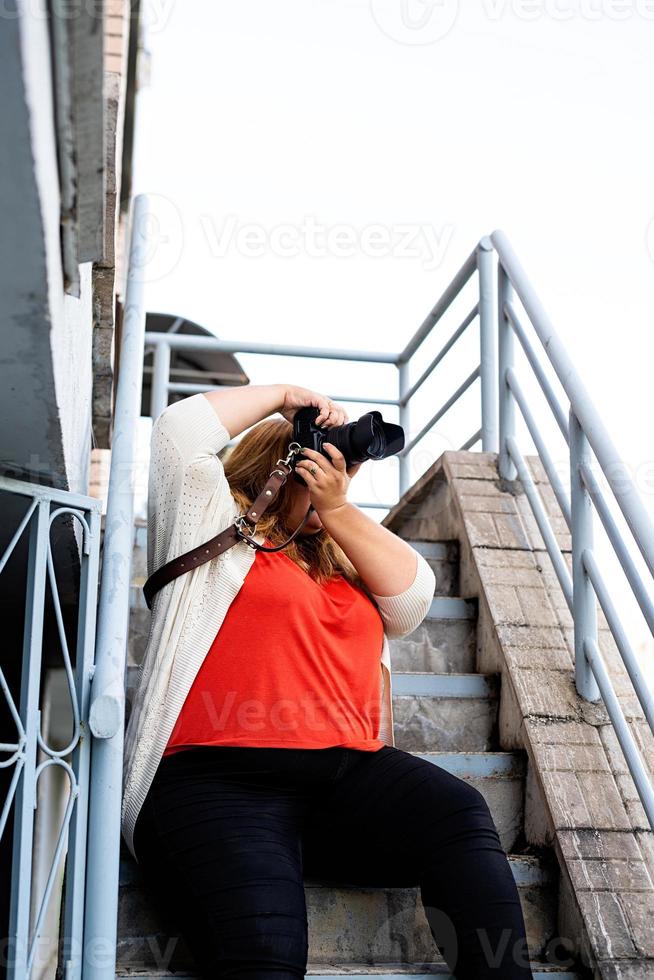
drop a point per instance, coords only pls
(311, 464)
(313, 456)
(325, 405)
(331, 414)
(338, 414)
(308, 469)
(336, 456)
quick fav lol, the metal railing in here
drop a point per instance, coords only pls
(27, 942)
(500, 392)
(585, 434)
(107, 712)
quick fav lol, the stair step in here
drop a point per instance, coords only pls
(443, 559)
(385, 925)
(541, 971)
(450, 607)
(443, 645)
(432, 549)
(445, 712)
(499, 777)
(348, 924)
(479, 765)
(418, 682)
(360, 971)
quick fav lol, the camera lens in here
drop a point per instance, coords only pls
(378, 442)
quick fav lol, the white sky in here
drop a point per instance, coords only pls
(319, 171)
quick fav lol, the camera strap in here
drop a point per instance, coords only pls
(231, 535)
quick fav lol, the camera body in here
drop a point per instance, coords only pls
(370, 437)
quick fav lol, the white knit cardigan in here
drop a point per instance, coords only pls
(190, 501)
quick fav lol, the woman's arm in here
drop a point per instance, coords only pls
(387, 564)
(188, 435)
(400, 579)
(239, 408)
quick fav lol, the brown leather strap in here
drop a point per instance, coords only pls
(273, 485)
(221, 542)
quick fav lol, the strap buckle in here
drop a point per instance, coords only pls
(293, 449)
(238, 523)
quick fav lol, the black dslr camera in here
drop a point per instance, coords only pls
(367, 438)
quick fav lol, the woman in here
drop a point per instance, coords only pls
(259, 747)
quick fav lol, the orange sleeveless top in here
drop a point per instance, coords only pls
(294, 663)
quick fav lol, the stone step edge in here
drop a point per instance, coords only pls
(431, 549)
(541, 971)
(425, 682)
(480, 765)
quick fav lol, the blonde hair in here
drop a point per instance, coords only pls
(247, 466)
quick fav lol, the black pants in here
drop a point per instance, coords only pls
(226, 834)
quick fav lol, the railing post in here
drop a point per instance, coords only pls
(584, 605)
(403, 379)
(24, 800)
(107, 711)
(73, 924)
(487, 357)
(160, 379)
(505, 348)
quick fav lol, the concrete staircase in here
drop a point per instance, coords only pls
(446, 712)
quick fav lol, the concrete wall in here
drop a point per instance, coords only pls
(45, 335)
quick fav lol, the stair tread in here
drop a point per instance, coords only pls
(383, 971)
(449, 674)
(450, 685)
(417, 971)
(482, 764)
(431, 549)
(452, 607)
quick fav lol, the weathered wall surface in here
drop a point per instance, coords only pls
(45, 335)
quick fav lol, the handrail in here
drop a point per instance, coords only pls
(452, 400)
(107, 712)
(583, 432)
(439, 357)
(188, 388)
(432, 319)
(193, 342)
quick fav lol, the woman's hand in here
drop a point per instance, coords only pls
(295, 398)
(330, 478)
